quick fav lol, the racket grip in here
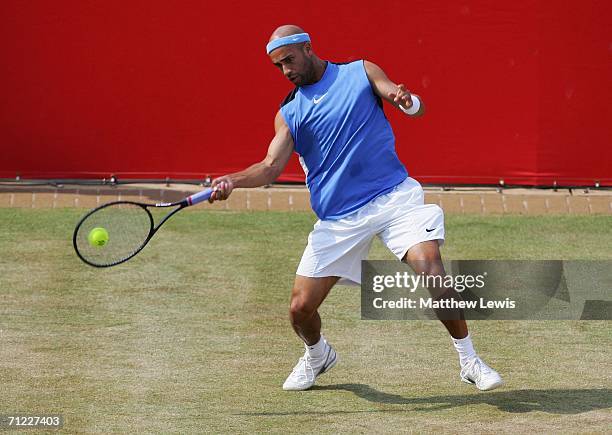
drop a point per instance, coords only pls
(196, 198)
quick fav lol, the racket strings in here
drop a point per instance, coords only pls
(128, 227)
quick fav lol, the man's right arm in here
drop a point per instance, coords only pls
(264, 172)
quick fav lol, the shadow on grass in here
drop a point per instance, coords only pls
(516, 401)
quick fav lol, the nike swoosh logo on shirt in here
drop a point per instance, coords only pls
(318, 100)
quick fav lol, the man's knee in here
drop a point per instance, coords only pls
(307, 295)
(300, 309)
(425, 259)
(427, 265)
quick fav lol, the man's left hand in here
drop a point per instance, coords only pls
(401, 97)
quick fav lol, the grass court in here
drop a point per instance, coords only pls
(192, 335)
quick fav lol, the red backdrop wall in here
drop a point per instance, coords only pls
(518, 91)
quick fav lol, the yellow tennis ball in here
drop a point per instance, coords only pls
(98, 237)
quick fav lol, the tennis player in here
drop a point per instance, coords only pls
(333, 119)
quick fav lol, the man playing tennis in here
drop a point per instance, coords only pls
(359, 189)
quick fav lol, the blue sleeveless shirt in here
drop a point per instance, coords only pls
(344, 141)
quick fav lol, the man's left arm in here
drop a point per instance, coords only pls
(397, 95)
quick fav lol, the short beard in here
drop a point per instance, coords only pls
(310, 75)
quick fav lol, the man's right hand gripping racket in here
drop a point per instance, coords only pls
(115, 232)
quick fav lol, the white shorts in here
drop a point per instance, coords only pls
(399, 218)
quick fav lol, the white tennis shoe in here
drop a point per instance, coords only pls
(476, 372)
(308, 368)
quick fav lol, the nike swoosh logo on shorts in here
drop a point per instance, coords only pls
(318, 100)
(429, 231)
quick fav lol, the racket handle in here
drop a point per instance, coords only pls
(196, 198)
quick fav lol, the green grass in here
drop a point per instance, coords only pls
(192, 335)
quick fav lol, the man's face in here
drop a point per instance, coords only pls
(295, 63)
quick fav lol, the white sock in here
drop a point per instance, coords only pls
(465, 349)
(317, 350)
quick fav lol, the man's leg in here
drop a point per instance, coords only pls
(425, 258)
(306, 297)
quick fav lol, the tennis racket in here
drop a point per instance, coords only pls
(115, 232)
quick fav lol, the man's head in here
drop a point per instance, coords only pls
(295, 60)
